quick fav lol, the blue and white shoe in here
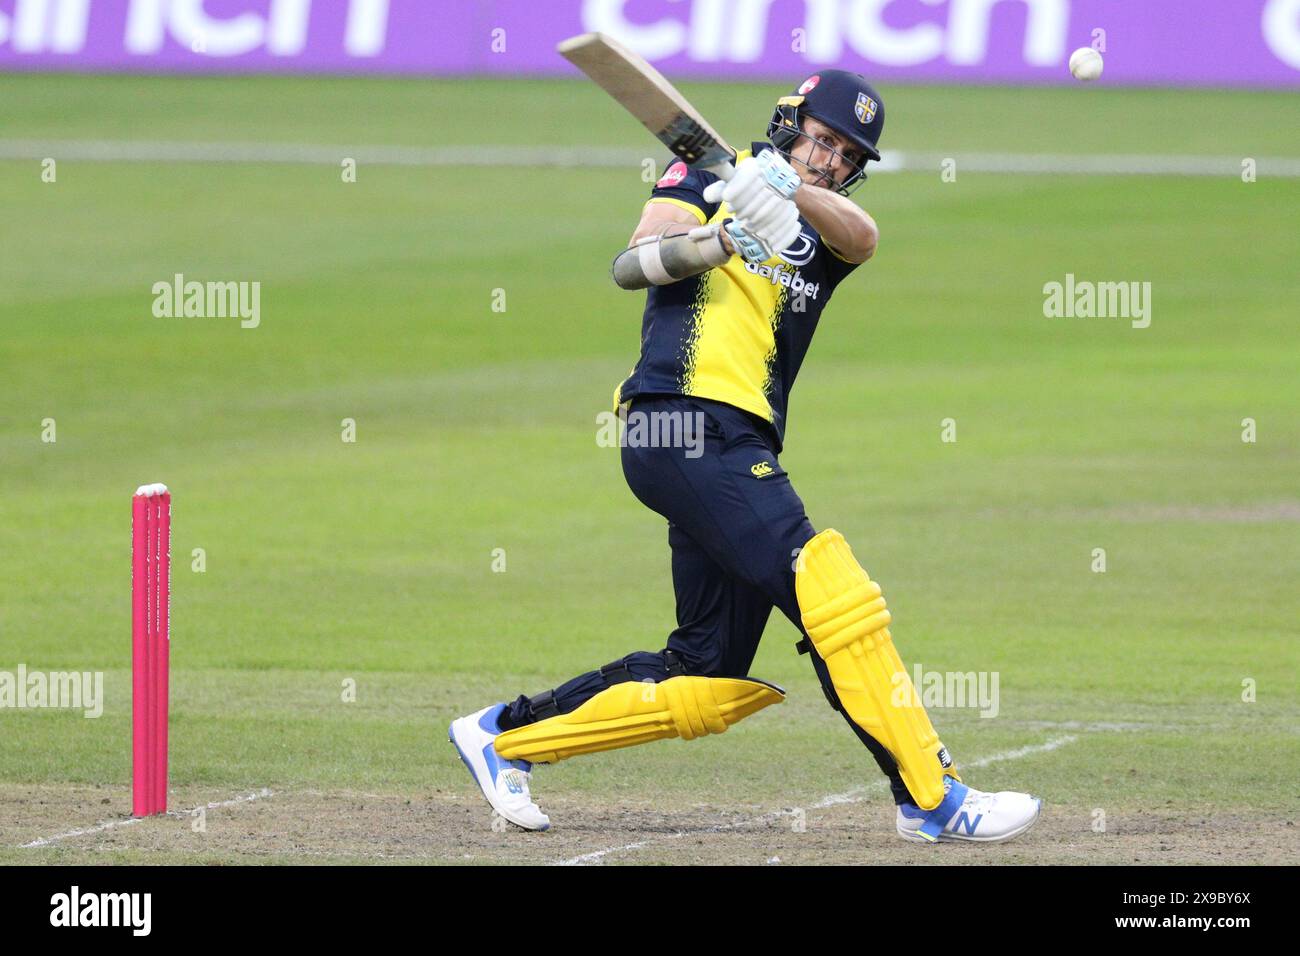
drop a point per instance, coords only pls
(503, 782)
(969, 814)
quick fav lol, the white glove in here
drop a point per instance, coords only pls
(767, 171)
(779, 227)
(760, 195)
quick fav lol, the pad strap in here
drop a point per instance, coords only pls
(616, 673)
(543, 705)
(674, 664)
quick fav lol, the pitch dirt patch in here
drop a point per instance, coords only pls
(305, 826)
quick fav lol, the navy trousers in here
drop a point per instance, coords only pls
(735, 527)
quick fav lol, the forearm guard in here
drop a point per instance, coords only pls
(659, 260)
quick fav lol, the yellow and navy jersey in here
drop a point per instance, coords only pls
(739, 332)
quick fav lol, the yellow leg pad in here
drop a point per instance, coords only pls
(847, 620)
(635, 712)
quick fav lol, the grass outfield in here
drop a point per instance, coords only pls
(372, 561)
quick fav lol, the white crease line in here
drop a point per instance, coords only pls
(112, 824)
(255, 795)
(1102, 725)
(613, 157)
(855, 795)
(46, 841)
(593, 857)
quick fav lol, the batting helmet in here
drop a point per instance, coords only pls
(845, 102)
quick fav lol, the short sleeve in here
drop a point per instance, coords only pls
(680, 185)
(837, 269)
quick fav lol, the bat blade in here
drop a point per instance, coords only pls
(646, 94)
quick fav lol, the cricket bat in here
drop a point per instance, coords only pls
(649, 97)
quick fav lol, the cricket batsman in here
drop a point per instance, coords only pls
(739, 273)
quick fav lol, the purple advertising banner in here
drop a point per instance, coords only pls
(1144, 42)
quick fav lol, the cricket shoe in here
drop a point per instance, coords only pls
(503, 782)
(969, 814)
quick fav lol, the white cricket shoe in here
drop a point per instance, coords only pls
(969, 814)
(503, 782)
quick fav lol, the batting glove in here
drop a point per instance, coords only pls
(747, 247)
(777, 229)
(766, 173)
(759, 195)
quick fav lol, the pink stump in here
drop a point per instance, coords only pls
(150, 646)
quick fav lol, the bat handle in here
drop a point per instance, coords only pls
(723, 171)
